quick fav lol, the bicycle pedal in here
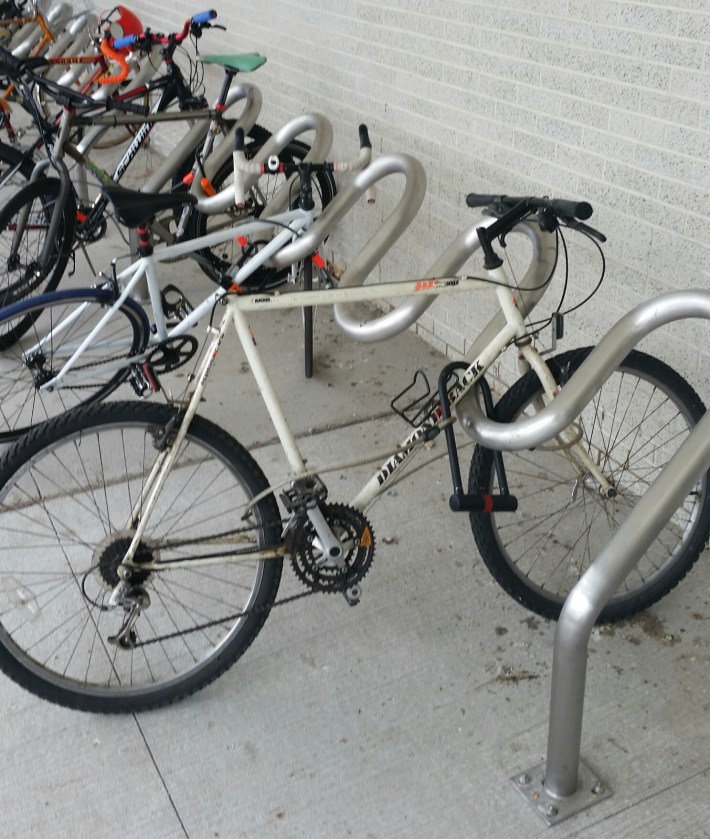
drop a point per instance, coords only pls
(143, 380)
(352, 595)
(175, 305)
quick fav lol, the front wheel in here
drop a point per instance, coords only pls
(632, 427)
(69, 492)
(53, 326)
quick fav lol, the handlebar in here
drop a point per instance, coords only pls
(502, 203)
(202, 18)
(19, 68)
(510, 211)
(110, 53)
(148, 39)
(274, 166)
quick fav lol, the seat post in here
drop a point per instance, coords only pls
(138, 237)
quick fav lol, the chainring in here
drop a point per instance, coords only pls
(173, 353)
(353, 530)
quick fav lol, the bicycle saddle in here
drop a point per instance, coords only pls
(135, 208)
(245, 62)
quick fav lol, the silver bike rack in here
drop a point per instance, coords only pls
(403, 315)
(563, 785)
(530, 288)
(278, 141)
(394, 225)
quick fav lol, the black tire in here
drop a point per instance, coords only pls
(20, 274)
(216, 260)
(632, 427)
(15, 171)
(67, 494)
(36, 357)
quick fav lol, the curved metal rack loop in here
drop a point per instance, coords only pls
(404, 314)
(394, 225)
(278, 141)
(601, 363)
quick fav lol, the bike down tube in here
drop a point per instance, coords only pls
(146, 267)
(139, 270)
(154, 482)
(475, 371)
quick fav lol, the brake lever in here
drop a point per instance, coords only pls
(196, 28)
(585, 228)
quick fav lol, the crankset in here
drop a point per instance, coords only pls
(88, 230)
(314, 568)
(173, 353)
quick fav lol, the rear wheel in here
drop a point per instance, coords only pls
(633, 426)
(53, 327)
(69, 495)
(25, 269)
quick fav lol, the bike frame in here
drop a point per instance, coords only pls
(237, 307)
(203, 129)
(145, 268)
(46, 38)
(296, 243)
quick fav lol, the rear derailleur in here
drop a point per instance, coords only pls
(133, 599)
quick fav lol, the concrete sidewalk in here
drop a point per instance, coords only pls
(405, 716)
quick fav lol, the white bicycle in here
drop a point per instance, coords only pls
(141, 546)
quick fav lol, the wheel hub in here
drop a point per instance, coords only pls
(110, 553)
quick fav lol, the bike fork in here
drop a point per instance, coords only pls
(570, 442)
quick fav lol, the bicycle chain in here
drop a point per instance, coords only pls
(256, 609)
(177, 543)
(292, 598)
(123, 357)
(89, 364)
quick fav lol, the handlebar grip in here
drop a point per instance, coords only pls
(111, 54)
(571, 209)
(364, 137)
(204, 17)
(126, 41)
(475, 199)
(9, 64)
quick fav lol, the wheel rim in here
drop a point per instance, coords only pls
(564, 521)
(65, 504)
(33, 358)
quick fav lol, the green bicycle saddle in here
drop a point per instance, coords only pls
(243, 62)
